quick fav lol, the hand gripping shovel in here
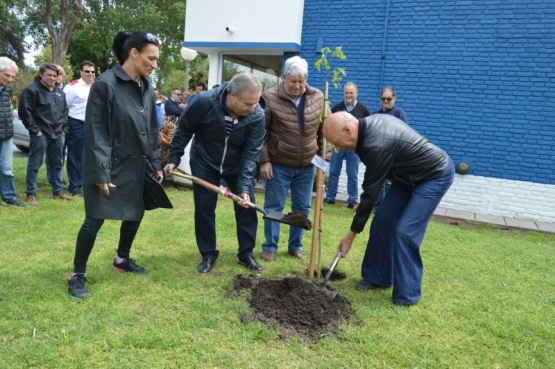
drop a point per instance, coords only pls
(322, 288)
(272, 215)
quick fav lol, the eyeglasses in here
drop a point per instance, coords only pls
(151, 38)
(177, 94)
(388, 99)
(89, 71)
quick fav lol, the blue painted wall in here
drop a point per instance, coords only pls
(475, 77)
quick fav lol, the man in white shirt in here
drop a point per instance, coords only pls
(77, 93)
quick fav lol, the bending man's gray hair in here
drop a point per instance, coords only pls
(296, 67)
(244, 82)
(8, 63)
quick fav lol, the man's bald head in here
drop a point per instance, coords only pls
(341, 130)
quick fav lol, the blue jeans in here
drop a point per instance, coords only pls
(392, 255)
(205, 216)
(75, 142)
(300, 181)
(383, 192)
(7, 182)
(38, 147)
(352, 174)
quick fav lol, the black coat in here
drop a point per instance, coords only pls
(391, 149)
(6, 121)
(121, 135)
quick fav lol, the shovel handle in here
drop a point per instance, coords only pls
(223, 191)
(332, 268)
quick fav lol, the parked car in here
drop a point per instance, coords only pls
(20, 133)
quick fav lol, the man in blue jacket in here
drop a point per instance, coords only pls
(228, 128)
(421, 173)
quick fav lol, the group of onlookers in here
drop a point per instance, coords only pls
(53, 112)
(111, 128)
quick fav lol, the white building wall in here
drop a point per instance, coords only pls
(483, 195)
(228, 23)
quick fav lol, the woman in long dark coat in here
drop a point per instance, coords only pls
(121, 144)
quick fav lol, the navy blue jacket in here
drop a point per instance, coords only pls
(237, 154)
(172, 108)
(394, 111)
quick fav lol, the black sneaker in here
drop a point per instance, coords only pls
(76, 286)
(331, 202)
(365, 285)
(128, 265)
(15, 202)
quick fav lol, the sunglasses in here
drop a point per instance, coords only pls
(153, 39)
(388, 99)
(89, 71)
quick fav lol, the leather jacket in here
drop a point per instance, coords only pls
(392, 150)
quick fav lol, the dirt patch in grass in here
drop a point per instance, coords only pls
(293, 305)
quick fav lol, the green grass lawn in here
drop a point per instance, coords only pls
(488, 297)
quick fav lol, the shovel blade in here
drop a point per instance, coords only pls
(322, 288)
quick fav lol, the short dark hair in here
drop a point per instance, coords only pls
(389, 88)
(86, 63)
(44, 66)
(201, 84)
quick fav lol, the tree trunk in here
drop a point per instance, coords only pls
(68, 20)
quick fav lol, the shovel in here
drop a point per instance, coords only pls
(272, 215)
(322, 288)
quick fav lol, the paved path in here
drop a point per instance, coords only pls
(495, 220)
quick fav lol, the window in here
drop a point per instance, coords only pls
(266, 67)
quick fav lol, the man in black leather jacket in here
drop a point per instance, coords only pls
(421, 173)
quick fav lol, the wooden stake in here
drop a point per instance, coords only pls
(318, 203)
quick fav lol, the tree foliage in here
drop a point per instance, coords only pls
(12, 36)
(328, 55)
(91, 37)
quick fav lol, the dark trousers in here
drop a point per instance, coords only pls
(392, 255)
(75, 140)
(87, 236)
(205, 216)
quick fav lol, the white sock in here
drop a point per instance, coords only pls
(119, 260)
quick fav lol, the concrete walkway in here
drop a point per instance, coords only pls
(494, 220)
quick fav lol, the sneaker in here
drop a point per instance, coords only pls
(352, 205)
(268, 255)
(62, 196)
(365, 285)
(15, 202)
(32, 200)
(299, 254)
(76, 286)
(128, 265)
(331, 202)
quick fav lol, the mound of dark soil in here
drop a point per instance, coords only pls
(293, 305)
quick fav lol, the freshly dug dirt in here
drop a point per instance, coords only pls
(293, 305)
(297, 219)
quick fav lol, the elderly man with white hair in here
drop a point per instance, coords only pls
(8, 70)
(293, 138)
